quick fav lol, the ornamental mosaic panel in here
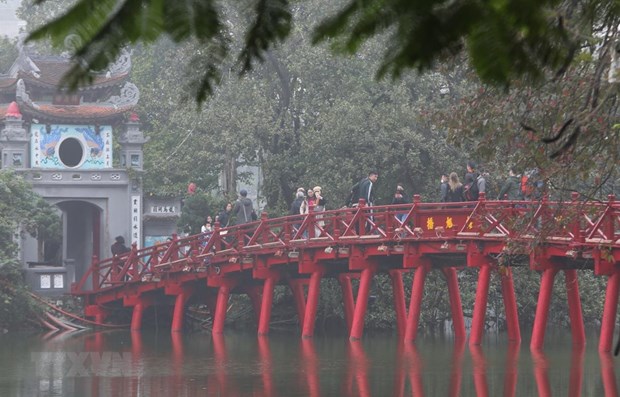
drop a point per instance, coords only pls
(71, 146)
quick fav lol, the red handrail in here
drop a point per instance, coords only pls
(576, 223)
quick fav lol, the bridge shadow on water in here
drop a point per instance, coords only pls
(143, 364)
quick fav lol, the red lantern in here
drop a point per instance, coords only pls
(191, 188)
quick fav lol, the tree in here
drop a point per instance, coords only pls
(20, 208)
(504, 39)
(510, 44)
(8, 53)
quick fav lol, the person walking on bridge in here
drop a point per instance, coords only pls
(366, 188)
(119, 247)
(243, 208)
(512, 187)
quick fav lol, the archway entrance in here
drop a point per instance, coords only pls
(81, 234)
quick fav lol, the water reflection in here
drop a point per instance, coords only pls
(310, 366)
(608, 375)
(135, 364)
(510, 370)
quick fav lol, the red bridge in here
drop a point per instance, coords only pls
(300, 250)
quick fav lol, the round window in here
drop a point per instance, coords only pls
(71, 152)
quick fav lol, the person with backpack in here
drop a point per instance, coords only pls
(532, 185)
(474, 183)
(243, 210)
(354, 195)
(511, 187)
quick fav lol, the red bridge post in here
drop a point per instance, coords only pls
(297, 289)
(542, 308)
(510, 305)
(344, 279)
(140, 303)
(608, 322)
(456, 307)
(221, 305)
(183, 293)
(95, 275)
(361, 302)
(312, 303)
(266, 304)
(415, 304)
(400, 305)
(574, 307)
(480, 305)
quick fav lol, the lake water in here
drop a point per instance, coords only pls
(122, 363)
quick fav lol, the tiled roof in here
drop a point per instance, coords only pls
(7, 81)
(82, 112)
(52, 70)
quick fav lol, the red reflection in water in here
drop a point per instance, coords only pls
(414, 365)
(408, 378)
(480, 370)
(541, 369)
(357, 371)
(409, 364)
(264, 355)
(311, 367)
(608, 374)
(221, 362)
(576, 371)
(541, 372)
(456, 372)
(512, 369)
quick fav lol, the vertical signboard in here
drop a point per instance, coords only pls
(136, 220)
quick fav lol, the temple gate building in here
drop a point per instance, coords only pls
(83, 153)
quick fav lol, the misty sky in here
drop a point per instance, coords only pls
(9, 24)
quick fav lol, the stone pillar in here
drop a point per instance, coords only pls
(132, 142)
(14, 140)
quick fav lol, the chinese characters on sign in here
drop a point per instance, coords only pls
(136, 220)
(165, 209)
(106, 131)
(431, 223)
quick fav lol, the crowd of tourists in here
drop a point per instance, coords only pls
(451, 189)
(516, 186)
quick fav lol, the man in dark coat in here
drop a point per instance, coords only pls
(296, 204)
(511, 187)
(367, 187)
(243, 209)
(119, 247)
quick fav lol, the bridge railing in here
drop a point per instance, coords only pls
(575, 222)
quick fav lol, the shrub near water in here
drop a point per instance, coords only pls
(17, 308)
(20, 210)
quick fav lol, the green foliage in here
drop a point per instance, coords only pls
(104, 28)
(19, 207)
(8, 53)
(17, 308)
(195, 209)
(505, 39)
